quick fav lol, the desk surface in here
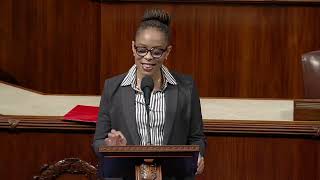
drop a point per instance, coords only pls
(19, 101)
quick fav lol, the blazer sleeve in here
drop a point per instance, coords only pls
(103, 125)
(196, 135)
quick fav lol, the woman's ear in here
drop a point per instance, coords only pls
(168, 51)
(133, 49)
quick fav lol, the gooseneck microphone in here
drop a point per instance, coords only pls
(147, 87)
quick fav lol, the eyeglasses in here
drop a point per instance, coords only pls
(155, 52)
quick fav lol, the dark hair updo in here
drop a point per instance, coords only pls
(158, 19)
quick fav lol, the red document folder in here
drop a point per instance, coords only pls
(82, 113)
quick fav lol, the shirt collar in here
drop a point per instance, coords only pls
(130, 78)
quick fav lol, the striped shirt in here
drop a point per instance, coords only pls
(157, 107)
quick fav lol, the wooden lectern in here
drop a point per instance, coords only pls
(149, 162)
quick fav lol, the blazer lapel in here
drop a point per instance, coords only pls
(171, 97)
(128, 104)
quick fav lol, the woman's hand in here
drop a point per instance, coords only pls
(115, 138)
(200, 165)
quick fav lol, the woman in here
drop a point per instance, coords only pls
(175, 113)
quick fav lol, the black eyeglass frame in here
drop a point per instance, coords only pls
(150, 50)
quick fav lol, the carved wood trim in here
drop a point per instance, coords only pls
(146, 149)
(148, 170)
(13, 123)
(245, 127)
(67, 166)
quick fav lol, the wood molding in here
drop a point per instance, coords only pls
(43, 123)
(241, 127)
(150, 149)
(286, 2)
(152, 152)
(306, 110)
(287, 128)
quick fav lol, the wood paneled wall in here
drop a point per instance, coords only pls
(263, 158)
(249, 50)
(26, 152)
(231, 50)
(51, 45)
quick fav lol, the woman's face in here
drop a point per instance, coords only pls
(150, 49)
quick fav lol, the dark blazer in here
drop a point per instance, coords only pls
(183, 119)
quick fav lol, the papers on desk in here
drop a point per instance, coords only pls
(83, 113)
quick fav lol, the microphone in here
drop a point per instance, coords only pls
(147, 87)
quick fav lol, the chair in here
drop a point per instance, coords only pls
(69, 168)
(311, 74)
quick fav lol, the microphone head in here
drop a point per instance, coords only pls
(147, 82)
(147, 87)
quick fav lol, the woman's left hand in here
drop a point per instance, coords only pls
(200, 165)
